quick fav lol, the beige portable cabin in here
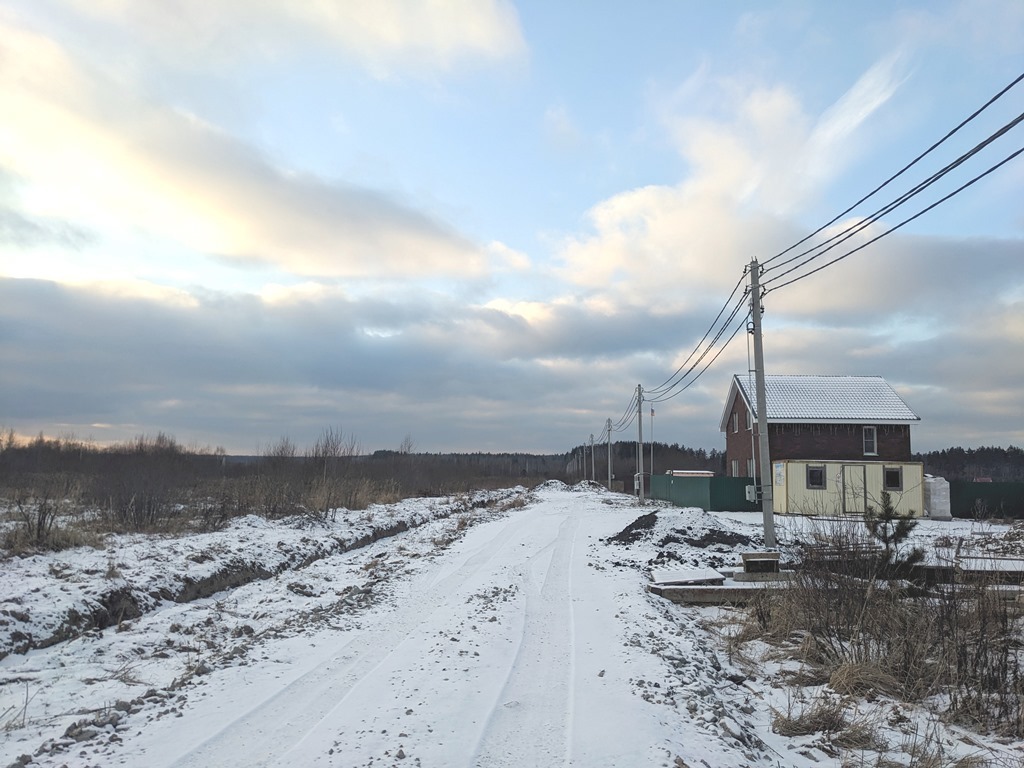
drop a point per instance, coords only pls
(808, 487)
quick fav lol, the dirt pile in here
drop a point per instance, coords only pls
(635, 531)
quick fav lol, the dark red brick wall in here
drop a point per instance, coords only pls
(738, 444)
(837, 442)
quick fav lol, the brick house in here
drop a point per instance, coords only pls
(835, 442)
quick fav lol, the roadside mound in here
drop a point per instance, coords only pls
(56, 597)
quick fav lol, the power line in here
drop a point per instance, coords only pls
(664, 395)
(627, 416)
(661, 387)
(903, 170)
(692, 381)
(923, 211)
(859, 226)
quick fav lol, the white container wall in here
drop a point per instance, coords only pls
(846, 487)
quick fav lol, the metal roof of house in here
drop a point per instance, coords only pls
(810, 399)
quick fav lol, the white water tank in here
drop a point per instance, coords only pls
(936, 498)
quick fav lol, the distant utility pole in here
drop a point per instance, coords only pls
(652, 443)
(640, 439)
(608, 428)
(593, 472)
(767, 512)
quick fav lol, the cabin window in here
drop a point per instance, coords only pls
(750, 468)
(735, 422)
(815, 477)
(735, 467)
(893, 480)
(870, 441)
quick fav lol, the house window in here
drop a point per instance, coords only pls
(870, 441)
(750, 422)
(735, 422)
(750, 468)
(815, 477)
(893, 479)
(735, 467)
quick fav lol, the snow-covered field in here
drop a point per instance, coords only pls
(487, 634)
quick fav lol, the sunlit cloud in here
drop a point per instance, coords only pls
(136, 165)
(666, 244)
(830, 145)
(387, 37)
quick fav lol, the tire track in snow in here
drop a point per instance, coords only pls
(532, 723)
(292, 716)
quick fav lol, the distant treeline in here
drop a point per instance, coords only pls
(415, 473)
(155, 483)
(624, 459)
(1000, 465)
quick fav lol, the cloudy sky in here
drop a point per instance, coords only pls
(481, 223)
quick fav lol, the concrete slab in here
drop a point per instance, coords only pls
(729, 593)
(687, 576)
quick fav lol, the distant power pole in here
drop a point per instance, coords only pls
(640, 439)
(593, 472)
(652, 443)
(608, 427)
(767, 511)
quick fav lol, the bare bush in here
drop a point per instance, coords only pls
(45, 507)
(868, 635)
(980, 632)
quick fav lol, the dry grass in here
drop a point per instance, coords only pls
(868, 637)
(823, 715)
(861, 680)
(19, 542)
(860, 736)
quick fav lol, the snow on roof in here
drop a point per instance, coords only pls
(850, 399)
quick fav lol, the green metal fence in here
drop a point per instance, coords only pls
(722, 494)
(984, 500)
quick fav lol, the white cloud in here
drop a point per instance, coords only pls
(667, 246)
(387, 37)
(831, 145)
(748, 172)
(93, 151)
(508, 258)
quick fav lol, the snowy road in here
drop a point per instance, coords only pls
(499, 630)
(502, 652)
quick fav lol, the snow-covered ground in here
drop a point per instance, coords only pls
(487, 634)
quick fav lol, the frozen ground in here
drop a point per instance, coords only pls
(486, 635)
